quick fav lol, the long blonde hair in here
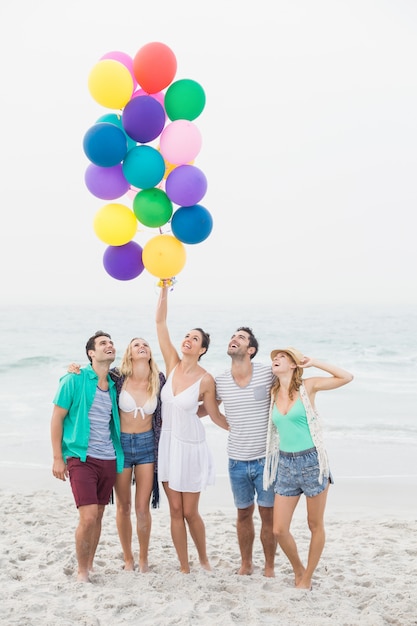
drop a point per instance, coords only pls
(296, 380)
(126, 368)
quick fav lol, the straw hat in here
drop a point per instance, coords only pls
(293, 352)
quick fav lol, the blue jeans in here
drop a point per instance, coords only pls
(246, 479)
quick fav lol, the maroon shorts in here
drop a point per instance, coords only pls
(91, 480)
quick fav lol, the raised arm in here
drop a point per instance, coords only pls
(169, 353)
(338, 376)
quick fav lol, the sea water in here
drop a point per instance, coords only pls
(378, 346)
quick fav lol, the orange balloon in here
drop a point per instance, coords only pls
(164, 256)
(154, 67)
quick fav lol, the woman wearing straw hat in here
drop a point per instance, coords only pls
(296, 458)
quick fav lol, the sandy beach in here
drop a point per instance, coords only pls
(367, 574)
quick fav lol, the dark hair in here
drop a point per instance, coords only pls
(253, 342)
(205, 340)
(91, 343)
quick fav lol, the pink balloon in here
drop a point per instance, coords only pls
(124, 59)
(160, 96)
(180, 142)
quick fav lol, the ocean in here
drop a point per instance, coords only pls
(373, 415)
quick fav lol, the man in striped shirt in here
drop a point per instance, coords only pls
(244, 392)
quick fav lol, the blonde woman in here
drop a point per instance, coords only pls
(296, 460)
(138, 383)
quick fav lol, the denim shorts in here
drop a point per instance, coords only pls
(138, 448)
(298, 472)
(246, 479)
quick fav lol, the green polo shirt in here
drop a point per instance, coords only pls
(76, 394)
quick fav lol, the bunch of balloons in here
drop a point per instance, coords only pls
(145, 149)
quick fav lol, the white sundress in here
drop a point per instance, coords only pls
(184, 458)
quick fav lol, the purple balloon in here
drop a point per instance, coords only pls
(186, 185)
(107, 183)
(143, 118)
(123, 262)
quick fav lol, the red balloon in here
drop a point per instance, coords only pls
(154, 67)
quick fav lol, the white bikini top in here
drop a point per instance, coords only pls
(128, 405)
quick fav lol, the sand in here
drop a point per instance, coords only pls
(367, 574)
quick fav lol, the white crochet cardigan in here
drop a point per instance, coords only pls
(272, 445)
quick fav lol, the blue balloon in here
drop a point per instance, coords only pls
(144, 167)
(191, 224)
(105, 144)
(116, 120)
(143, 118)
(124, 262)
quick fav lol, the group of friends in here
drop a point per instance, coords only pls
(112, 426)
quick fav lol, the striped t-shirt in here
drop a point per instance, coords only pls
(100, 445)
(247, 412)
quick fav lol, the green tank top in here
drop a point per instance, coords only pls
(293, 430)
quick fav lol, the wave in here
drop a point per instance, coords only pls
(30, 362)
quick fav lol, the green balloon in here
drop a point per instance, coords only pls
(184, 100)
(152, 207)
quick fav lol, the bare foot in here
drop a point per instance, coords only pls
(82, 577)
(143, 567)
(129, 566)
(185, 570)
(299, 576)
(245, 570)
(206, 565)
(269, 572)
(304, 583)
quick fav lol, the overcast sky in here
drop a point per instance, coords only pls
(309, 148)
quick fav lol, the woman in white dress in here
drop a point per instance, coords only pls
(185, 464)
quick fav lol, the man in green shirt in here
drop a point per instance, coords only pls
(85, 434)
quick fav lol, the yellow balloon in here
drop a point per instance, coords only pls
(164, 256)
(171, 166)
(111, 84)
(115, 224)
(168, 169)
